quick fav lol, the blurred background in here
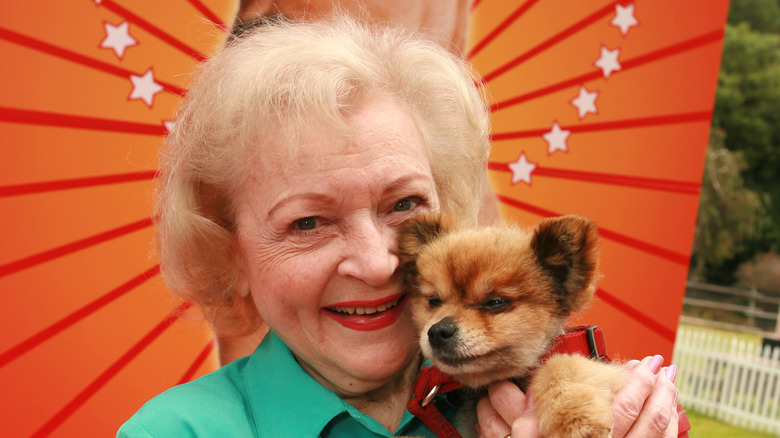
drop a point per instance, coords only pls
(624, 111)
(728, 341)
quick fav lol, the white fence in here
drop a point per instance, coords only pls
(730, 379)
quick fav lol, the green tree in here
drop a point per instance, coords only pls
(747, 104)
(747, 111)
(731, 216)
(761, 15)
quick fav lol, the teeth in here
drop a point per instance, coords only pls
(366, 310)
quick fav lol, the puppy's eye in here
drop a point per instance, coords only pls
(495, 304)
(434, 301)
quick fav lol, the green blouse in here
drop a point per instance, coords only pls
(266, 394)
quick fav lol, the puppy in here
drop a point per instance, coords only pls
(489, 302)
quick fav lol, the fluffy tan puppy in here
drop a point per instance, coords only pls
(489, 302)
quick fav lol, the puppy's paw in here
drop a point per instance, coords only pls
(592, 426)
(574, 396)
(576, 410)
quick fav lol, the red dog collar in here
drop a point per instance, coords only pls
(584, 340)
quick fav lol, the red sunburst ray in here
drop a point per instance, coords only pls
(44, 335)
(69, 248)
(31, 117)
(209, 14)
(685, 187)
(500, 28)
(69, 55)
(552, 41)
(640, 122)
(75, 183)
(672, 256)
(636, 315)
(72, 406)
(199, 359)
(665, 52)
(152, 29)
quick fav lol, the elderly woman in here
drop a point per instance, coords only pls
(298, 151)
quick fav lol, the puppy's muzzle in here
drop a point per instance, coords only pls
(441, 335)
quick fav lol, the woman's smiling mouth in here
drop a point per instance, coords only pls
(367, 315)
(365, 310)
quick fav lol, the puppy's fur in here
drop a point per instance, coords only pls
(489, 302)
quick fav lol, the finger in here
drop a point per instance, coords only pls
(658, 411)
(672, 430)
(629, 401)
(527, 424)
(631, 364)
(508, 400)
(491, 425)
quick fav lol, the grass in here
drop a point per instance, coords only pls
(706, 427)
(703, 426)
(750, 337)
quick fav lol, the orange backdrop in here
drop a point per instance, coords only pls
(90, 85)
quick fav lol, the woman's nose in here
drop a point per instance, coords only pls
(370, 253)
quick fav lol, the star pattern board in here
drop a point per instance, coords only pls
(600, 108)
(603, 108)
(89, 330)
(118, 38)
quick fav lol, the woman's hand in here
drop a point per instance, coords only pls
(506, 405)
(645, 407)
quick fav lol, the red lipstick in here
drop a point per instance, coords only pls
(367, 315)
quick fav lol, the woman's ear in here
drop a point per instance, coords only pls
(242, 277)
(242, 286)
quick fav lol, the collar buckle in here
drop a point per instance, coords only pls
(590, 336)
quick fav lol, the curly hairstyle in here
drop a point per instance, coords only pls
(274, 81)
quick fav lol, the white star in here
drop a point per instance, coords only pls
(97, 2)
(118, 38)
(585, 102)
(556, 139)
(144, 87)
(522, 169)
(624, 18)
(608, 61)
(169, 125)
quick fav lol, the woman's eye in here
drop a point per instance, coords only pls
(307, 223)
(405, 204)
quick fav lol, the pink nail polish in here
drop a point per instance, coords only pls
(655, 364)
(671, 372)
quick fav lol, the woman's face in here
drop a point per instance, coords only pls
(318, 243)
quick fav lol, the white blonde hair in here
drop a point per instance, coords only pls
(277, 80)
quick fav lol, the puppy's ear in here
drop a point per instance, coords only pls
(414, 235)
(421, 230)
(566, 248)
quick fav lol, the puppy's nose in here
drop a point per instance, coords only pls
(440, 333)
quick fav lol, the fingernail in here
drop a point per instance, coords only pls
(655, 364)
(529, 401)
(633, 362)
(671, 372)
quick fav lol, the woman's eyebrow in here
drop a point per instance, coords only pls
(319, 198)
(405, 180)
